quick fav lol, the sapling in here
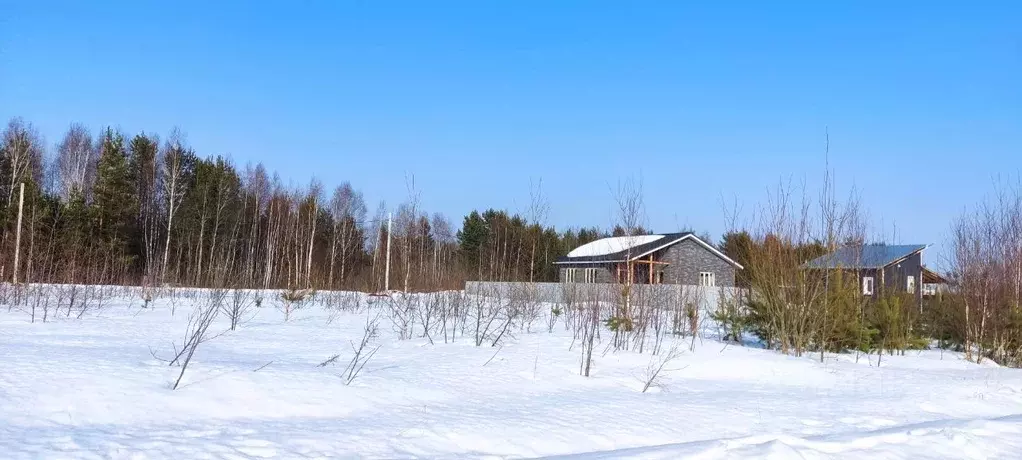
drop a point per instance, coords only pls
(292, 299)
(655, 372)
(196, 332)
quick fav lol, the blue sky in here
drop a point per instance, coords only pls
(705, 102)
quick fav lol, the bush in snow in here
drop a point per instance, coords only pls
(291, 299)
(655, 373)
(555, 313)
(238, 306)
(361, 352)
(402, 310)
(196, 331)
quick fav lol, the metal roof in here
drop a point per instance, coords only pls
(865, 256)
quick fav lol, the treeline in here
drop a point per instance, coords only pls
(113, 208)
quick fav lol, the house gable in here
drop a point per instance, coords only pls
(682, 258)
(644, 249)
(688, 259)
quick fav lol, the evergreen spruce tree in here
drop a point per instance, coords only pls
(113, 195)
(114, 207)
(471, 237)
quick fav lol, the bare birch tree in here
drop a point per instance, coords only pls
(76, 161)
(630, 212)
(174, 163)
(21, 151)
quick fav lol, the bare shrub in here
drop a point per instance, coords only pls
(642, 315)
(431, 308)
(174, 299)
(341, 301)
(7, 295)
(241, 302)
(692, 307)
(79, 299)
(525, 299)
(362, 352)
(94, 298)
(402, 309)
(452, 314)
(570, 300)
(39, 298)
(350, 301)
(656, 371)
(685, 316)
(494, 315)
(660, 301)
(197, 331)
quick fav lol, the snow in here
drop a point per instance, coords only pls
(91, 388)
(611, 245)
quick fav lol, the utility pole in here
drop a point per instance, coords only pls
(17, 239)
(386, 276)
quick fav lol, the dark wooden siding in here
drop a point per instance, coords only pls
(894, 278)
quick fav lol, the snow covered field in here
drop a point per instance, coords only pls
(91, 388)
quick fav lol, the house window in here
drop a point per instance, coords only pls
(910, 286)
(590, 275)
(707, 279)
(569, 275)
(929, 289)
(867, 285)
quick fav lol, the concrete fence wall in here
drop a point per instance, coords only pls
(706, 298)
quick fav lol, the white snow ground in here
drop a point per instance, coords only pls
(90, 388)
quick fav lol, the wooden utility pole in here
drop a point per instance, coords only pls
(386, 276)
(17, 238)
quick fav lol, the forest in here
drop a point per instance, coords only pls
(113, 208)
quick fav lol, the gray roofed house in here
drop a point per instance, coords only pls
(865, 256)
(883, 267)
(672, 258)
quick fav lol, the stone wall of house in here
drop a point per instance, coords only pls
(688, 258)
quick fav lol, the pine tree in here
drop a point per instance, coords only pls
(114, 200)
(114, 205)
(471, 237)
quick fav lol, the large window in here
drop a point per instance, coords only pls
(867, 285)
(910, 285)
(707, 279)
(580, 275)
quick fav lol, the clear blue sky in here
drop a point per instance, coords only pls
(923, 100)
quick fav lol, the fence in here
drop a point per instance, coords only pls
(705, 297)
